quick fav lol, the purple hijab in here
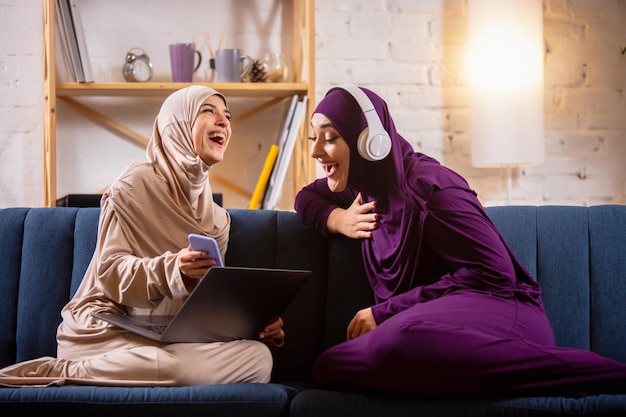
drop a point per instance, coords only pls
(401, 184)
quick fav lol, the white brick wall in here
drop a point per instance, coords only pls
(410, 52)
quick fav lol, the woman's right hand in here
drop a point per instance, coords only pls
(357, 221)
(193, 265)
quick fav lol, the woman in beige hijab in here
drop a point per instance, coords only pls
(143, 265)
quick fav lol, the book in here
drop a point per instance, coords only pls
(64, 70)
(263, 178)
(69, 45)
(292, 122)
(285, 131)
(79, 33)
(281, 145)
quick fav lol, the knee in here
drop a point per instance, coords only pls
(223, 363)
(366, 355)
(260, 362)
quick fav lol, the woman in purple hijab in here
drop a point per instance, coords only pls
(455, 312)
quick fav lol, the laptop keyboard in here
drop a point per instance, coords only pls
(157, 329)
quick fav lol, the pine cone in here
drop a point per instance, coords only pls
(257, 73)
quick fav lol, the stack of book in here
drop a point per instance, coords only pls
(72, 39)
(271, 180)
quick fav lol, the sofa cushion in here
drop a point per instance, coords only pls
(318, 402)
(521, 234)
(85, 236)
(539, 237)
(37, 273)
(264, 400)
(12, 235)
(607, 251)
(577, 254)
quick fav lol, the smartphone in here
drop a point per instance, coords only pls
(207, 244)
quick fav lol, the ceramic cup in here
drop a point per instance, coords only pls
(182, 58)
(231, 65)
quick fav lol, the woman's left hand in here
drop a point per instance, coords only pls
(362, 323)
(274, 334)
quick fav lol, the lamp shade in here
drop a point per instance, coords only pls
(506, 82)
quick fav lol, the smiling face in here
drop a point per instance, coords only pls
(331, 151)
(211, 130)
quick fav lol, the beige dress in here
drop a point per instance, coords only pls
(146, 216)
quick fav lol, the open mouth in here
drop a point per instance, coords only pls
(217, 137)
(329, 169)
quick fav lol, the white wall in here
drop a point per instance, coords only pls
(410, 52)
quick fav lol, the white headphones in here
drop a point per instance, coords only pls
(374, 143)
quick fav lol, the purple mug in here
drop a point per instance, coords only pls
(182, 58)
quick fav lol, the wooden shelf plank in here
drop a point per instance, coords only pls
(244, 90)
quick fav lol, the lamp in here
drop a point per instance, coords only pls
(506, 84)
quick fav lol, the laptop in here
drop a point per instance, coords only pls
(229, 303)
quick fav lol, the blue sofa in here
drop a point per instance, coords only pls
(578, 254)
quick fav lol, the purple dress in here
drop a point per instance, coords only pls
(456, 312)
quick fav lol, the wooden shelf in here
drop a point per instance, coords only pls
(304, 69)
(242, 90)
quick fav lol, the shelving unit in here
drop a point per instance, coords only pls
(270, 93)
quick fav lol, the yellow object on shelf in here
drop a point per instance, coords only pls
(257, 195)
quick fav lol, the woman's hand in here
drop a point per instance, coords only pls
(357, 221)
(274, 334)
(193, 265)
(362, 323)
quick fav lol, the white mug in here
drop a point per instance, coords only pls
(231, 65)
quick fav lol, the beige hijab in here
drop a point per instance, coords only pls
(158, 203)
